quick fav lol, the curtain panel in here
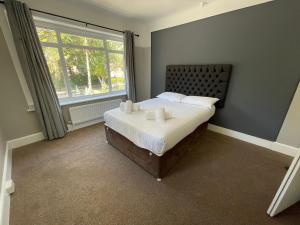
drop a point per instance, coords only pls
(130, 64)
(35, 69)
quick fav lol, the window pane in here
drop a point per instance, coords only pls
(95, 42)
(98, 71)
(80, 40)
(87, 71)
(76, 67)
(53, 61)
(46, 35)
(115, 45)
(116, 64)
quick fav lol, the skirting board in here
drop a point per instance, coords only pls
(275, 146)
(72, 127)
(4, 196)
(6, 178)
(19, 142)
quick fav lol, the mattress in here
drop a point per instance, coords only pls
(154, 136)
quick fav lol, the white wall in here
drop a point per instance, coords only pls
(290, 131)
(289, 190)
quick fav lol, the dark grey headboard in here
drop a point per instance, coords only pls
(200, 80)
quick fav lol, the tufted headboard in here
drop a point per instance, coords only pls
(200, 80)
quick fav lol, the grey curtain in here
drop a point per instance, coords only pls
(35, 69)
(129, 63)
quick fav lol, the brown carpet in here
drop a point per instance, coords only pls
(81, 180)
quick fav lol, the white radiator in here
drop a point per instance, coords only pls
(86, 115)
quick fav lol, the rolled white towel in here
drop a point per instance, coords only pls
(160, 115)
(136, 107)
(122, 106)
(168, 115)
(151, 115)
(128, 106)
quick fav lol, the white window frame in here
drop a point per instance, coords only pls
(60, 27)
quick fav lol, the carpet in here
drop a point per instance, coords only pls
(81, 180)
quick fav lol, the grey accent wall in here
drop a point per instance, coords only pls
(263, 44)
(15, 121)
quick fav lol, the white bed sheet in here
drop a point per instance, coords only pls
(158, 137)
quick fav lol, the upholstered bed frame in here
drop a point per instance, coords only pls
(197, 80)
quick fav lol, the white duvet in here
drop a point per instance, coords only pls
(158, 137)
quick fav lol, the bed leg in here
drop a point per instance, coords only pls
(158, 179)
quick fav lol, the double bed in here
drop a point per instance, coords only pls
(158, 138)
(156, 147)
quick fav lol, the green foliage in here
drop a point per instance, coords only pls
(53, 61)
(115, 45)
(116, 61)
(46, 35)
(118, 83)
(76, 66)
(80, 40)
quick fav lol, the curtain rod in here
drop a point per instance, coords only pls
(79, 21)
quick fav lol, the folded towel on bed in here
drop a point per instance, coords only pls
(168, 115)
(159, 115)
(129, 107)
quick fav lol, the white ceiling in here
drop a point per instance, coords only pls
(144, 9)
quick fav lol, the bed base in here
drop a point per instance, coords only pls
(157, 166)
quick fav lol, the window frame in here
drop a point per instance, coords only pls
(58, 28)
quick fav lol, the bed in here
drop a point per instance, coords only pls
(157, 147)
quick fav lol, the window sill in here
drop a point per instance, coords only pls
(89, 98)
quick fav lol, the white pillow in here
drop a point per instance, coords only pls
(171, 96)
(199, 100)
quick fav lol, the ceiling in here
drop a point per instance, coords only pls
(144, 9)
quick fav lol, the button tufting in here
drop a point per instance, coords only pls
(204, 80)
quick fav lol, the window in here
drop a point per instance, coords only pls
(83, 64)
